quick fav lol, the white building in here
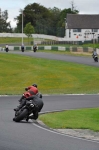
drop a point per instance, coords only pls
(82, 27)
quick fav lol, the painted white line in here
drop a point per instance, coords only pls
(52, 131)
(3, 95)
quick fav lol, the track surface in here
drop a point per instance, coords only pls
(33, 136)
(76, 59)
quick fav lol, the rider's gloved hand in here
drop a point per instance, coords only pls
(26, 89)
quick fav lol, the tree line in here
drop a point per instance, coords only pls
(4, 25)
(49, 21)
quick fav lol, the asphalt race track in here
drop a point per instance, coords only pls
(76, 59)
(32, 135)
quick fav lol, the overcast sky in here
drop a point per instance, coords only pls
(83, 6)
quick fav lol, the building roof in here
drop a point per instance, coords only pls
(82, 21)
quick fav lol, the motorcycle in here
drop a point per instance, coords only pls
(34, 48)
(95, 57)
(6, 49)
(25, 111)
(22, 49)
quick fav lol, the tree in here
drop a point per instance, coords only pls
(62, 21)
(55, 13)
(4, 25)
(32, 13)
(48, 21)
(29, 30)
(73, 8)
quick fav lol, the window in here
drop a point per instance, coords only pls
(76, 30)
(94, 30)
(69, 33)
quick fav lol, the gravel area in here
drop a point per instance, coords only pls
(81, 133)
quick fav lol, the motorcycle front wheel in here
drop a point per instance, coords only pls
(21, 116)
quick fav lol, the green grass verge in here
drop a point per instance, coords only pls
(8, 40)
(73, 119)
(52, 76)
(85, 54)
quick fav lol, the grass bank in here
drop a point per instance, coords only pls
(10, 40)
(73, 119)
(15, 40)
(52, 76)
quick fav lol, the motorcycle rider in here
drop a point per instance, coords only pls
(38, 105)
(32, 90)
(94, 53)
(35, 47)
